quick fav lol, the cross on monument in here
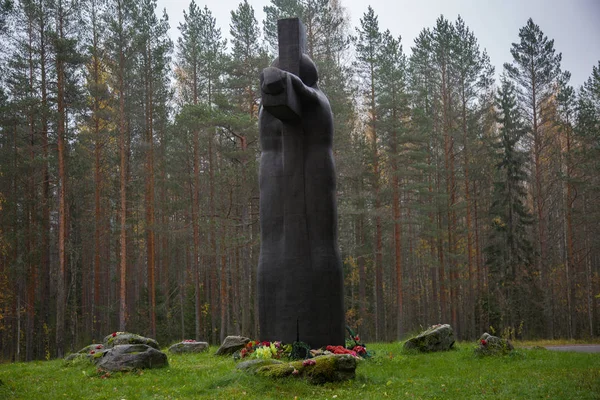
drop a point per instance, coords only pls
(291, 35)
(283, 101)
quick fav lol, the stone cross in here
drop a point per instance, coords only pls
(300, 283)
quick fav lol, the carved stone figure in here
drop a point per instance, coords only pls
(300, 284)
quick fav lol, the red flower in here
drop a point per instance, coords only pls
(306, 363)
(99, 347)
(114, 334)
(357, 338)
(483, 342)
(359, 350)
(340, 350)
(92, 352)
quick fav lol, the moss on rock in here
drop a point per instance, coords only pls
(436, 338)
(331, 368)
(119, 338)
(252, 366)
(492, 345)
(275, 370)
(326, 368)
(189, 347)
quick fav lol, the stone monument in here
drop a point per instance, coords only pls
(300, 283)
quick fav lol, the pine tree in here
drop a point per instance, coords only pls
(213, 48)
(473, 71)
(587, 137)
(6, 7)
(246, 61)
(509, 251)
(535, 70)
(21, 79)
(393, 112)
(368, 47)
(98, 123)
(565, 101)
(119, 48)
(44, 38)
(203, 70)
(423, 83)
(443, 35)
(188, 74)
(154, 47)
(247, 58)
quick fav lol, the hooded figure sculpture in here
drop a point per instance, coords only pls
(300, 284)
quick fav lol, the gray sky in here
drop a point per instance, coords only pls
(574, 25)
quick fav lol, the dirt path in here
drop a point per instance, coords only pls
(579, 348)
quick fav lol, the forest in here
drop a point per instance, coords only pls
(129, 176)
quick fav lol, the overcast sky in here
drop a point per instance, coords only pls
(573, 24)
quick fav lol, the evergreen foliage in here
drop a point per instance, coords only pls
(509, 252)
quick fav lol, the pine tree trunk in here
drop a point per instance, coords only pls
(397, 232)
(450, 191)
(570, 264)
(196, 219)
(470, 266)
(479, 272)
(433, 271)
(223, 288)
(362, 274)
(191, 271)
(123, 181)
(539, 208)
(440, 256)
(62, 194)
(165, 264)
(31, 223)
(45, 256)
(246, 293)
(15, 303)
(213, 240)
(379, 304)
(588, 263)
(150, 220)
(98, 217)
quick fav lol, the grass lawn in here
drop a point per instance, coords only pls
(391, 373)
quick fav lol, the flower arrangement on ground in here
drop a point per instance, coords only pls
(278, 350)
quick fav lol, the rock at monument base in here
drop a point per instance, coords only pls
(252, 365)
(189, 347)
(331, 368)
(231, 344)
(127, 357)
(493, 345)
(436, 338)
(118, 338)
(318, 370)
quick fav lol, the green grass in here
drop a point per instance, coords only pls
(391, 373)
(554, 342)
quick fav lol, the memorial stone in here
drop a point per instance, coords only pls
(300, 284)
